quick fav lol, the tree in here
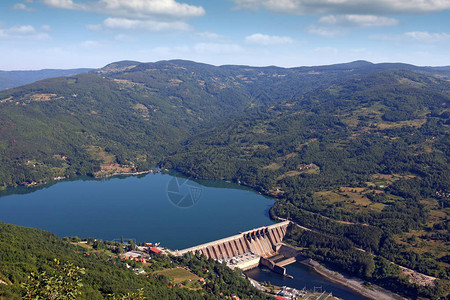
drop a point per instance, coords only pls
(63, 284)
(132, 245)
(139, 295)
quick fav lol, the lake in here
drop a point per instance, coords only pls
(159, 207)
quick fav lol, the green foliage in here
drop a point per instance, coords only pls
(27, 261)
(139, 295)
(341, 254)
(256, 126)
(345, 131)
(63, 284)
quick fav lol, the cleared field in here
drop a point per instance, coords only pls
(84, 245)
(301, 169)
(178, 275)
(100, 154)
(355, 195)
(300, 147)
(289, 174)
(273, 166)
(377, 206)
(352, 199)
(430, 241)
(384, 180)
(287, 156)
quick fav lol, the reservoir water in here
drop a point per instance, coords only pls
(151, 208)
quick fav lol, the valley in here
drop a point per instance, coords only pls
(357, 152)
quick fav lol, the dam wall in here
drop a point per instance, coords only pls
(260, 241)
(273, 266)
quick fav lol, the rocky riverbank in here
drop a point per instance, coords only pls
(372, 292)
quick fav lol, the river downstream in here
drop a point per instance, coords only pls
(303, 277)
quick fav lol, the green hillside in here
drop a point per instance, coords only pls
(26, 250)
(365, 160)
(358, 152)
(129, 115)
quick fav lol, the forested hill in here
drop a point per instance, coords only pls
(24, 251)
(132, 114)
(12, 79)
(364, 162)
(358, 152)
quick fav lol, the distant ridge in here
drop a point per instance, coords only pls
(364, 67)
(12, 79)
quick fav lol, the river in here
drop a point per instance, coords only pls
(304, 277)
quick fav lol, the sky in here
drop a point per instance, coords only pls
(39, 34)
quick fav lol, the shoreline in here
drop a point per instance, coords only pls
(94, 176)
(98, 176)
(355, 284)
(375, 292)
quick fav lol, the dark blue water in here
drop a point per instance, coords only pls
(303, 277)
(152, 208)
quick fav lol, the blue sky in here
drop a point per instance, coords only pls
(37, 34)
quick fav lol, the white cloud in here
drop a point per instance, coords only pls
(325, 31)
(24, 32)
(21, 30)
(357, 20)
(414, 36)
(64, 4)
(209, 35)
(136, 9)
(428, 37)
(264, 39)
(303, 7)
(337, 25)
(248, 4)
(21, 6)
(146, 25)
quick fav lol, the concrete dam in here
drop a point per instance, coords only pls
(260, 242)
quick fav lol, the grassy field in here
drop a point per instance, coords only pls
(422, 241)
(355, 198)
(178, 275)
(273, 166)
(100, 154)
(301, 169)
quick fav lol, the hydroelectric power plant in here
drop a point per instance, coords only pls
(247, 249)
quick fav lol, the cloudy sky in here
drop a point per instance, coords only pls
(36, 34)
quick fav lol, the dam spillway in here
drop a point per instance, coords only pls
(260, 241)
